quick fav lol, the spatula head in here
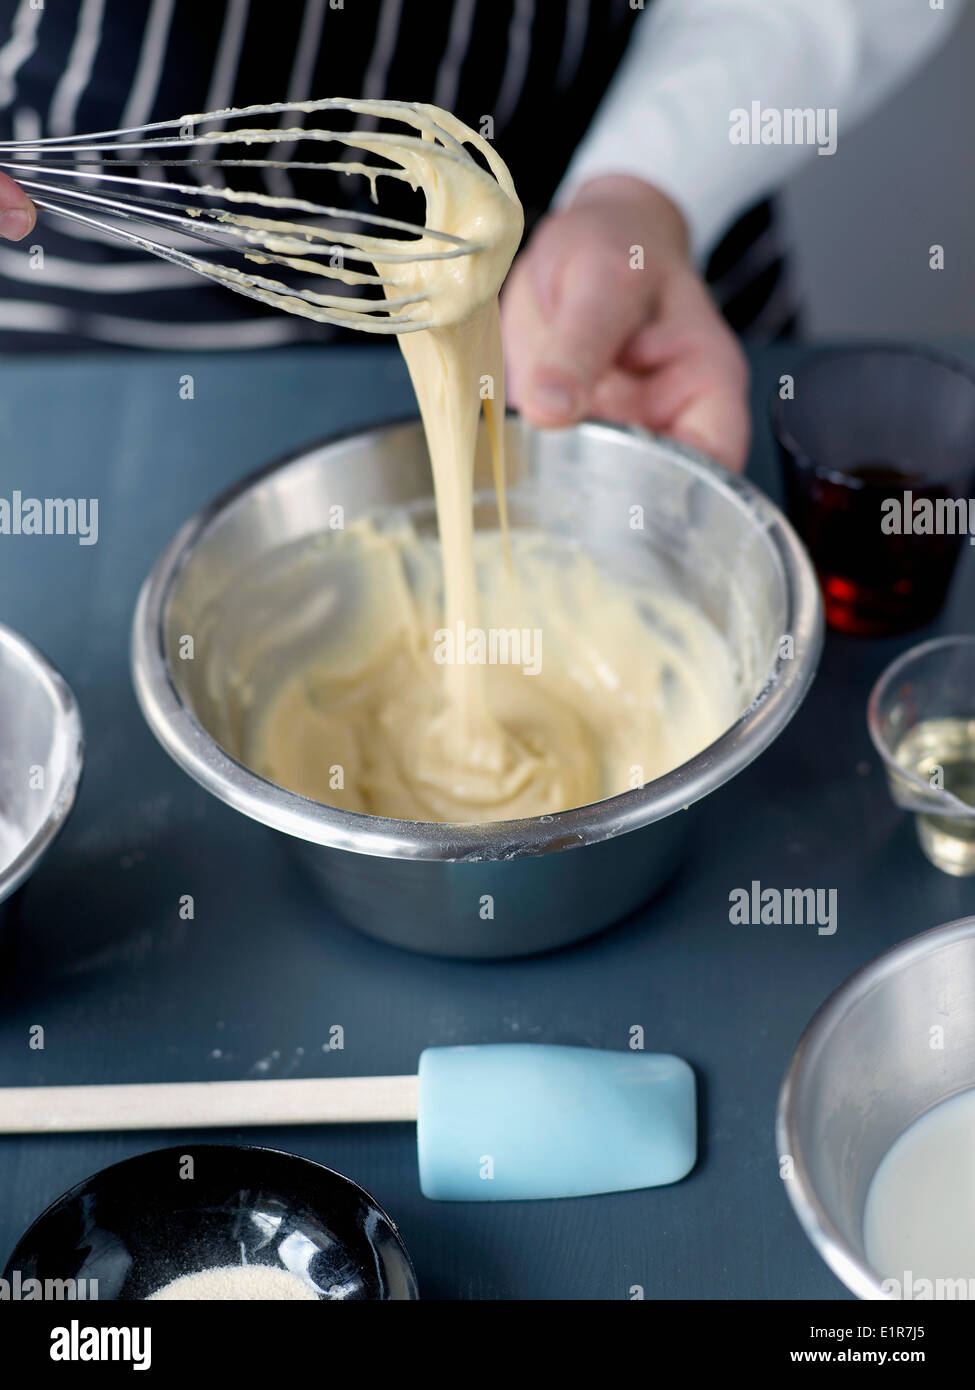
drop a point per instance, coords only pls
(524, 1120)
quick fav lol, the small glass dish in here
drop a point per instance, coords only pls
(921, 718)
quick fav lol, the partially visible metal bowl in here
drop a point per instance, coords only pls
(862, 1073)
(552, 879)
(41, 755)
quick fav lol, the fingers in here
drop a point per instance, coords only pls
(684, 376)
(702, 410)
(717, 423)
(17, 212)
(596, 312)
(523, 331)
(586, 333)
(568, 310)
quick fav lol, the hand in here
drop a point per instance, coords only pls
(586, 334)
(17, 212)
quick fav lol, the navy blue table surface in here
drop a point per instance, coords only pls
(94, 949)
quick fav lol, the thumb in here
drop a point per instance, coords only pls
(17, 212)
(595, 304)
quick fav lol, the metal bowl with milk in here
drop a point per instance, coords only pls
(891, 1044)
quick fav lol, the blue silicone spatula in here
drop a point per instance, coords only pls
(494, 1123)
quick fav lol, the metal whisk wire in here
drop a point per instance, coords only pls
(72, 177)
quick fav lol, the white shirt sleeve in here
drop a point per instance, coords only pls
(692, 64)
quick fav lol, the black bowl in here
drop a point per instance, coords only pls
(141, 1223)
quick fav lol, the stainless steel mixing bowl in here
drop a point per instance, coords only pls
(865, 1069)
(41, 753)
(647, 509)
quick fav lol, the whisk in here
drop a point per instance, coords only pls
(105, 180)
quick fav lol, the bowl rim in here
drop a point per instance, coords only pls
(68, 723)
(234, 1146)
(838, 1253)
(195, 750)
(824, 357)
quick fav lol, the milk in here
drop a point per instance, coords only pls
(919, 1219)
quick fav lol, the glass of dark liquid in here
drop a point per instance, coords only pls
(878, 453)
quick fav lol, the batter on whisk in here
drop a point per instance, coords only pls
(385, 720)
(457, 368)
(439, 722)
(466, 741)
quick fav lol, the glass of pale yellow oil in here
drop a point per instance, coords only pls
(921, 716)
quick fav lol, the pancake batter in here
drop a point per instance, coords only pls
(605, 687)
(372, 721)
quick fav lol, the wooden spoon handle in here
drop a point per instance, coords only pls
(208, 1104)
